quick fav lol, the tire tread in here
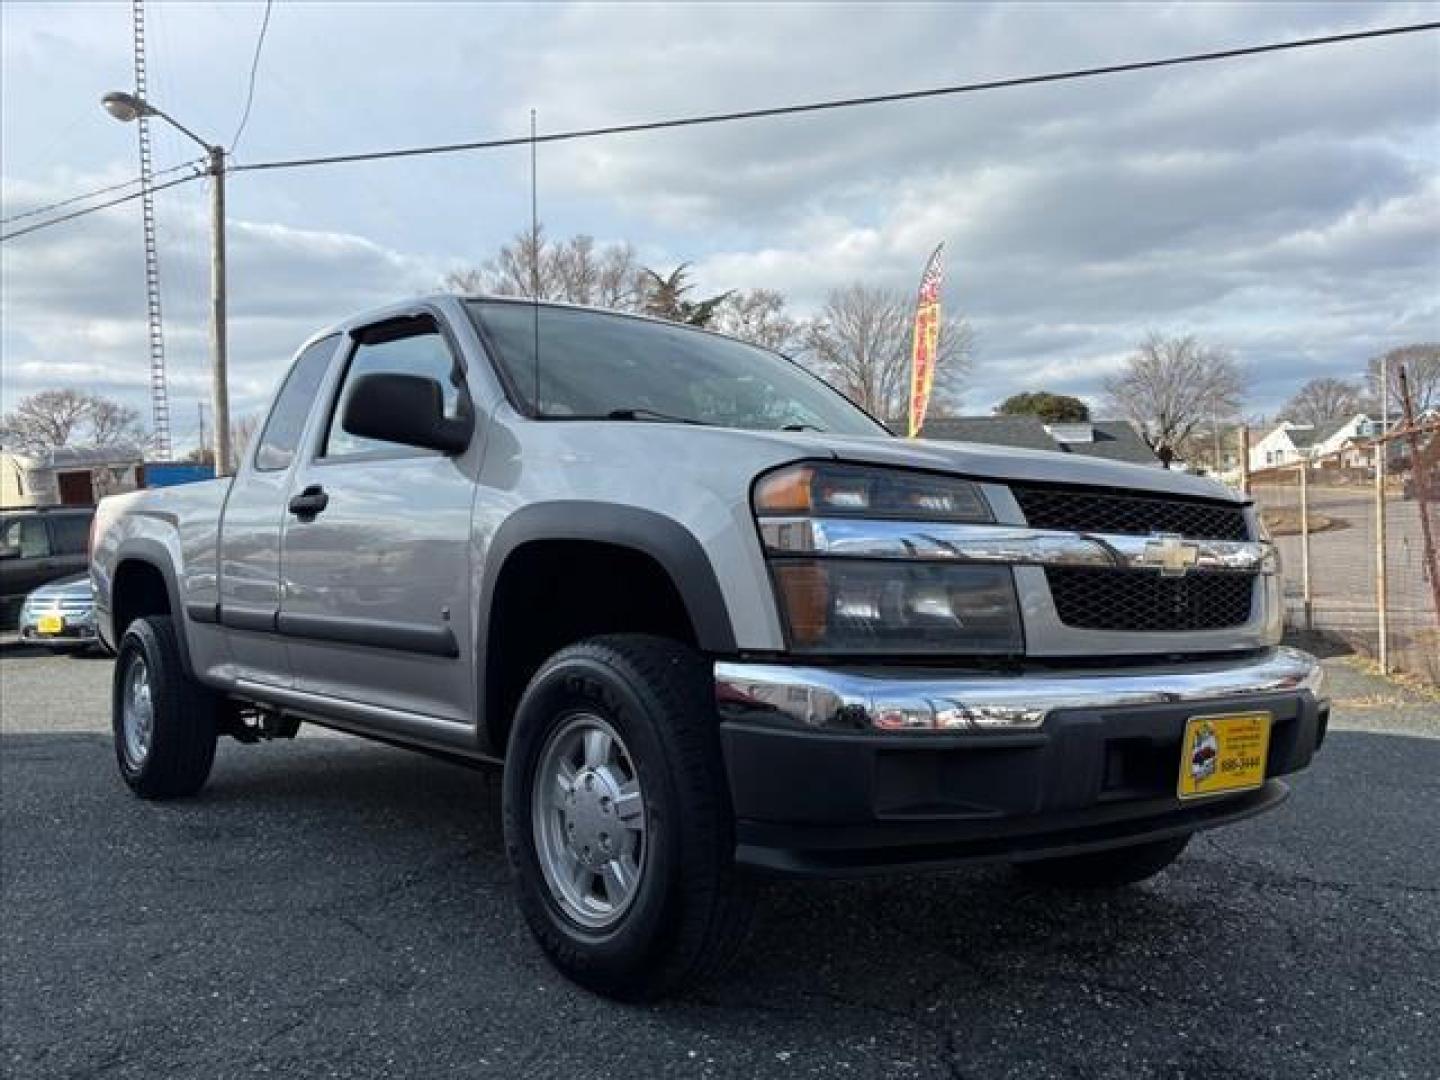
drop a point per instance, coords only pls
(676, 683)
(182, 749)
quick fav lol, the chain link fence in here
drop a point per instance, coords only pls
(1340, 581)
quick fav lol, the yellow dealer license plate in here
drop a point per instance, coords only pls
(50, 624)
(1223, 753)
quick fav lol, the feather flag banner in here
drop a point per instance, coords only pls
(925, 340)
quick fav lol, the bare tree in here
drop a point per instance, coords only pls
(111, 422)
(67, 417)
(1422, 369)
(469, 279)
(577, 271)
(242, 430)
(1170, 386)
(860, 344)
(759, 317)
(44, 420)
(1324, 399)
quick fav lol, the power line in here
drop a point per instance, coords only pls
(94, 209)
(843, 103)
(254, 67)
(96, 193)
(717, 118)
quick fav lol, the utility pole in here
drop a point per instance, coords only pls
(1215, 431)
(1382, 596)
(219, 382)
(127, 107)
(1243, 434)
(1305, 545)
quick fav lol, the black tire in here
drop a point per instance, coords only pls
(181, 745)
(1105, 869)
(690, 907)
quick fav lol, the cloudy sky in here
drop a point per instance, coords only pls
(1286, 207)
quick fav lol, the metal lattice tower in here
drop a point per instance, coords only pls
(159, 393)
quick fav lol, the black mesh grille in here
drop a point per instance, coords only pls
(1143, 600)
(1116, 512)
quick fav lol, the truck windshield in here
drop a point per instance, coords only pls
(595, 365)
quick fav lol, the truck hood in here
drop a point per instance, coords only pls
(984, 462)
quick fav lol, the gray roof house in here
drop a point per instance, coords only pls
(1116, 440)
(1290, 442)
(1026, 432)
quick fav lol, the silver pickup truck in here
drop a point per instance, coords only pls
(714, 621)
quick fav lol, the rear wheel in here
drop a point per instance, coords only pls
(617, 818)
(1105, 869)
(164, 721)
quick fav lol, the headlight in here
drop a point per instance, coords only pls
(1271, 562)
(832, 490)
(858, 606)
(851, 605)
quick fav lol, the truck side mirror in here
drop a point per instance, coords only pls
(406, 409)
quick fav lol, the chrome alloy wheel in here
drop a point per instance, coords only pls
(589, 821)
(138, 713)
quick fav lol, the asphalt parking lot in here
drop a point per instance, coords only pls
(332, 908)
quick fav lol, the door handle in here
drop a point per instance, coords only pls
(309, 502)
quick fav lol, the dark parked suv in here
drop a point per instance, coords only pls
(39, 545)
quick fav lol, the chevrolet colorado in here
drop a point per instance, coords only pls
(713, 619)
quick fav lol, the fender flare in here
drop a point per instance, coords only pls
(154, 554)
(663, 539)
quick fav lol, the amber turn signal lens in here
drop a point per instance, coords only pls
(786, 491)
(837, 489)
(805, 594)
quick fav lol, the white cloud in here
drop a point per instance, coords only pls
(73, 306)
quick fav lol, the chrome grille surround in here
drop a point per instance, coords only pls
(1160, 599)
(1011, 544)
(76, 605)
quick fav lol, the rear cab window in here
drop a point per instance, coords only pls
(275, 449)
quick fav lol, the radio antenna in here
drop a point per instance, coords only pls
(535, 258)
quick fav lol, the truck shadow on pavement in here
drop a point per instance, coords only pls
(361, 888)
(15, 648)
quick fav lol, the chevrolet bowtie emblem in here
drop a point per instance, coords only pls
(1171, 554)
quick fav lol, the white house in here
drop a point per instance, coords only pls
(1281, 446)
(1289, 442)
(1338, 435)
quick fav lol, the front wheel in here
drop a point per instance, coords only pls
(617, 818)
(1105, 869)
(164, 721)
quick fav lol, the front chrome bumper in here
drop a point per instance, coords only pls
(898, 699)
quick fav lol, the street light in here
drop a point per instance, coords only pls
(125, 108)
(122, 106)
